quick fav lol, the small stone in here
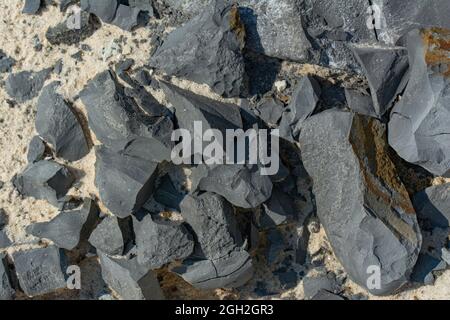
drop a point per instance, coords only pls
(112, 236)
(433, 204)
(65, 33)
(324, 295)
(105, 9)
(6, 63)
(143, 77)
(270, 111)
(32, 6)
(26, 85)
(7, 291)
(126, 17)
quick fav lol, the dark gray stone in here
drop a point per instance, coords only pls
(32, 6)
(360, 102)
(26, 85)
(270, 111)
(7, 291)
(207, 49)
(159, 243)
(105, 9)
(6, 63)
(362, 204)
(324, 295)
(143, 77)
(278, 210)
(46, 180)
(112, 235)
(129, 279)
(314, 285)
(3, 219)
(36, 150)
(58, 124)
(275, 246)
(40, 271)
(167, 195)
(433, 204)
(124, 182)
(65, 4)
(212, 219)
(69, 228)
(126, 17)
(425, 266)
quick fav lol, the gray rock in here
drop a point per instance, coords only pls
(275, 246)
(279, 209)
(69, 228)
(46, 180)
(385, 69)
(6, 63)
(124, 182)
(425, 266)
(189, 7)
(129, 279)
(212, 219)
(3, 219)
(5, 242)
(314, 285)
(143, 77)
(144, 5)
(232, 271)
(418, 128)
(167, 194)
(126, 17)
(361, 202)
(105, 9)
(242, 186)
(324, 295)
(32, 6)
(112, 236)
(7, 291)
(360, 102)
(40, 271)
(304, 101)
(445, 253)
(270, 111)
(36, 150)
(26, 85)
(433, 204)
(58, 125)
(159, 243)
(207, 49)
(301, 248)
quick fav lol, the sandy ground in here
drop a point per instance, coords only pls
(17, 129)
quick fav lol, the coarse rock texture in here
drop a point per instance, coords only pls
(363, 205)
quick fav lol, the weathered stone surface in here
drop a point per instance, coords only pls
(69, 228)
(6, 63)
(243, 186)
(129, 279)
(58, 125)
(124, 182)
(26, 85)
(46, 180)
(40, 271)
(112, 235)
(36, 150)
(126, 17)
(360, 102)
(212, 219)
(7, 291)
(159, 242)
(418, 128)
(207, 49)
(270, 111)
(433, 204)
(32, 6)
(363, 205)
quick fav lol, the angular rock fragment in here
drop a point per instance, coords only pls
(105, 9)
(36, 150)
(304, 102)
(58, 125)
(124, 182)
(69, 228)
(112, 236)
(360, 102)
(324, 295)
(159, 243)
(66, 33)
(7, 291)
(46, 180)
(243, 186)
(385, 69)
(167, 195)
(6, 63)
(208, 49)
(418, 128)
(26, 85)
(361, 202)
(278, 210)
(433, 204)
(126, 17)
(212, 219)
(314, 285)
(40, 271)
(3, 219)
(425, 266)
(32, 6)
(129, 279)
(270, 111)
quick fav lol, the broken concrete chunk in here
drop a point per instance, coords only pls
(212, 219)
(418, 128)
(112, 235)
(159, 242)
(26, 85)
(46, 180)
(32, 6)
(126, 17)
(69, 228)
(207, 49)
(58, 125)
(242, 186)
(385, 69)
(6, 63)
(361, 202)
(40, 271)
(124, 182)
(105, 9)
(433, 204)
(7, 291)
(36, 150)
(129, 279)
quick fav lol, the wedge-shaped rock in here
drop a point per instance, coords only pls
(385, 69)
(433, 204)
(129, 279)
(232, 271)
(207, 49)
(44, 180)
(124, 182)
(26, 85)
(213, 221)
(7, 291)
(40, 271)
(58, 125)
(36, 150)
(363, 205)
(419, 126)
(112, 235)
(243, 186)
(69, 228)
(304, 102)
(159, 243)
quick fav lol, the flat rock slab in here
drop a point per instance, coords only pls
(40, 271)
(362, 204)
(26, 85)
(6, 63)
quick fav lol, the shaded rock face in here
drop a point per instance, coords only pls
(207, 49)
(364, 207)
(433, 204)
(419, 125)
